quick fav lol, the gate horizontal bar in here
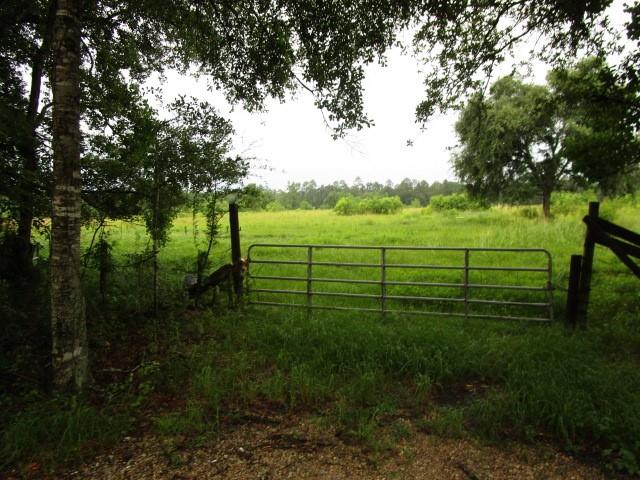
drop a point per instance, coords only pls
(471, 315)
(470, 300)
(403, 312)
(469, 285)
(510, 287)
(425, 284)
(510, 269)
(507, 302)
(343, 294)
(419, 298)
(340, 294)
(327, 280)
(326, 264)
(398, 247)
(315, 307)
(401, 297)
(394, 283)
(274, 290)
(470, 267)
(401, 265)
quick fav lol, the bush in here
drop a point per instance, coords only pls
(379, 205)
(530, 212)
(274, 206)
(383, 205)
(619, 209)
(457, 201)
(304, 205)
(567, 203)
(347, 206)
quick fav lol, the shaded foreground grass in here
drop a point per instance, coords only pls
(191, 373)
(536, 382)
(57, 430)
(522, 382)
(450, 377)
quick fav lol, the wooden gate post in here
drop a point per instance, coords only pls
(587, 267)
(573, 292)
(236, 260)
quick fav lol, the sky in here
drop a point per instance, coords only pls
(289, 142)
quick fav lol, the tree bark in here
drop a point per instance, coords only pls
(156, 234)
(69, 333)
(546, 203)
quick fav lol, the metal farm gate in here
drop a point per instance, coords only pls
(493, 283)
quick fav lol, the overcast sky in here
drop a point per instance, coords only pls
(291, 142)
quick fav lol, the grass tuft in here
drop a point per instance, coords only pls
(59, 430)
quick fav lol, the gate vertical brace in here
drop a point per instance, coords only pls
(236, 260)
(309, 279)
(466, 284)
(587, 267)
(383, 280)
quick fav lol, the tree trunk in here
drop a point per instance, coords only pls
(29, 151)
(69, 333)
(546, 202)
(24, 254)
(156, 234)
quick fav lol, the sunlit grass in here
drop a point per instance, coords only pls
(499, 227)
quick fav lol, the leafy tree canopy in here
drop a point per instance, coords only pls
(462, 42)
(255, 49)
(602, 118)
(523, 137)
(250, 50)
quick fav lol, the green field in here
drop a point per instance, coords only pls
(500, 227)
(359, 371)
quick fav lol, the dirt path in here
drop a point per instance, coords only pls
(298, 449)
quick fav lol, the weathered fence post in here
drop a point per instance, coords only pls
(573, 292)
(236, 260)
(587, 267)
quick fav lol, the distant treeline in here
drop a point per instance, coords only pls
(308, 195)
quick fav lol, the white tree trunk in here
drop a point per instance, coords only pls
(69, 331)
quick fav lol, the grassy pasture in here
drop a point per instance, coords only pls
(361, 371)
(500, 227)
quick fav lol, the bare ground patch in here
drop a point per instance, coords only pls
(299, 448)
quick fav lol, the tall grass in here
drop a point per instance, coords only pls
(497, 227)
(580, 390)
(59, 430)
(537, 383)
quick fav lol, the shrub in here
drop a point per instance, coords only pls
(347, 206)
(380, 205)
(530, 211)
(566, 203)
(304, 205)
(456, 201)
(274, 206)
(390, 205)
(384, 205)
